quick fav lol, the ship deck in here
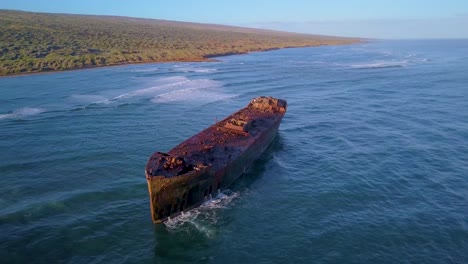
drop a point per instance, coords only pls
(220, 142)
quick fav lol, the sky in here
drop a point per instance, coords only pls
(393, 19)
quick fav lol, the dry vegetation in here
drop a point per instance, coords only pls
(38, 42)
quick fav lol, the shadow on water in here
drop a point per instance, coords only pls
(197, 240)
(259, 167)
(189, 246)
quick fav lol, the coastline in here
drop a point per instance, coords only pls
(117, 40)
(206, 58)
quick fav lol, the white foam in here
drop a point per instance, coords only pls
(169, 89)
(152, 69)
(89, 98)
(197, 70)
(203, 217)
(169, 80)
(22, 113)
(380, 64)
(161, 84)
(387, 53)
(158, 86)
(201, 90)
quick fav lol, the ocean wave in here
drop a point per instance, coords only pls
(152, 69)
(161, 84)
(379, 65)
(194, 69)
(169, 89)
(191, 94)
(203, 90)
(89, 98)
(22, 113)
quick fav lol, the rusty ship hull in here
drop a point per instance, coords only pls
(210, 161)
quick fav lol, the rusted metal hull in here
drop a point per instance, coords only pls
(210, 161)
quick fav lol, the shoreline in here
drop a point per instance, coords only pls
(206, 58)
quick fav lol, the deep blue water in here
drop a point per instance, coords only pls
(370, 164)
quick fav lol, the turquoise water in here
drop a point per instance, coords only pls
(370, 164)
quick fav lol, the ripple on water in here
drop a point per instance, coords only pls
(369, 166)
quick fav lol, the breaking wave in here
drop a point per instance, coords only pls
(162, 90)
(202, 90)
(194, 69)
(152, 69)
(170, 89)
(404, 61)
(191, 94)
(89, 98)
(378, 65)
(162, 84)
(22, 113)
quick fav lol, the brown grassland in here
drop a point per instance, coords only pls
(40, 42)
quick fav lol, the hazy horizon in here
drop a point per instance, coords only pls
(365, 19)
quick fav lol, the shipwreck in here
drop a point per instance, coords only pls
(210, 161)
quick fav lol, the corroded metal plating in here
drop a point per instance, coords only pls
(211, 160)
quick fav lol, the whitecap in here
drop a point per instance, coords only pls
(194, 69)
(22, 113)
(161, 84)
(89, 98)
(169, 89)
(152, 69)
(381, 64)
(201, 90)
(191, 94)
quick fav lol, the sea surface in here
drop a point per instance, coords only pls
(370, 164)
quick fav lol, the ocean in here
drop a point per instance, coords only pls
(370, 164)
